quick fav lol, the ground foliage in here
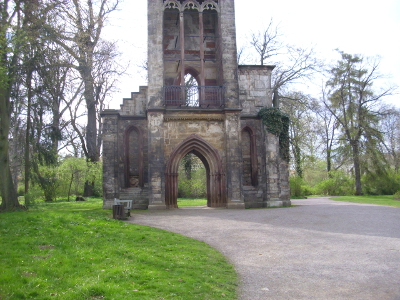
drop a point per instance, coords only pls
(74, 250)
(277, 123)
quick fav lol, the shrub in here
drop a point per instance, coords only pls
(338, 184)
(298, 188)
(381, 184)
(35, 193)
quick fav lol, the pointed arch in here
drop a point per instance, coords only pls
(133, 156)
(216, 181)
(251, 162)
(189, 70)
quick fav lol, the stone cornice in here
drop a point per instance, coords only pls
(183, 117)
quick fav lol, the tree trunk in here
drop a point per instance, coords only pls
(297, 160)
(56, 135)
(357, 168)
(91, 128)
(89, 189)
(8, 192)
(328, 162)
(27, 137)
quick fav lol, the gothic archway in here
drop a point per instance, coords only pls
(216, 182)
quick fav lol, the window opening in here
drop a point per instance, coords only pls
(191, 91)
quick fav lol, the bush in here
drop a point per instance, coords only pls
(35, 193)
(64, 180)
(49, 182)
(74, 172)
(338, 184)
(396, 195)
(298, 188)
(381, 184)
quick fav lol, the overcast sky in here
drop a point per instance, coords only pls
(365, 27)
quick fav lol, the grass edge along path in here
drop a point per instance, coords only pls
(75, 250)
(386, 200)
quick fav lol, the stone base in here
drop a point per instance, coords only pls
(254, 204)
(287, 203)
(279, 203)
(140, 206)
(237, 205)
(275, 203)
(157, 207)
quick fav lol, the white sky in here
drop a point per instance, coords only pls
(365, 27)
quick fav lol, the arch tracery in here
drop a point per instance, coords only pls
(191, 4)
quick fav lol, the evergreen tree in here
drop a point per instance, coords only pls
(354, 105)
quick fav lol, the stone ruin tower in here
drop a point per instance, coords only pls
(213, 117)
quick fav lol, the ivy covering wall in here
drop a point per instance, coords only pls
(277, 123)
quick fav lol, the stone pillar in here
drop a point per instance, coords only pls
(182, 46)
(229, 53)
(284, 183)
(201, 42)
(156, 163)
(111, 183)
(155, 54)
(233, 160)
(155, 114)
(272, 170)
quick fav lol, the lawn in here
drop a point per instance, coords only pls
(191, 202)
(380, 200)
(75, 250)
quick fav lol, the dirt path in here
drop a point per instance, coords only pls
(317, 249)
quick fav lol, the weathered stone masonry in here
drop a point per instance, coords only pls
(145, 140)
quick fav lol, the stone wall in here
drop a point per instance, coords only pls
(241, 171)
(255, 88)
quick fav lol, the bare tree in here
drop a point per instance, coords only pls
(293, 64)
(302, 130)
(267, 42)
(77, 28)
(297, 66)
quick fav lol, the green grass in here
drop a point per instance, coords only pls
(380, 200)
(74, 250)
(191, 202)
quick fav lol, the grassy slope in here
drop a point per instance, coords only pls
(75, 251)
(380, 200)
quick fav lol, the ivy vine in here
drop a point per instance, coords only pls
(277, 123)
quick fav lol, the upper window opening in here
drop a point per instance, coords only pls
(192, 90)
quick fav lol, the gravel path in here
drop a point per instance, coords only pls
(317, 249)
